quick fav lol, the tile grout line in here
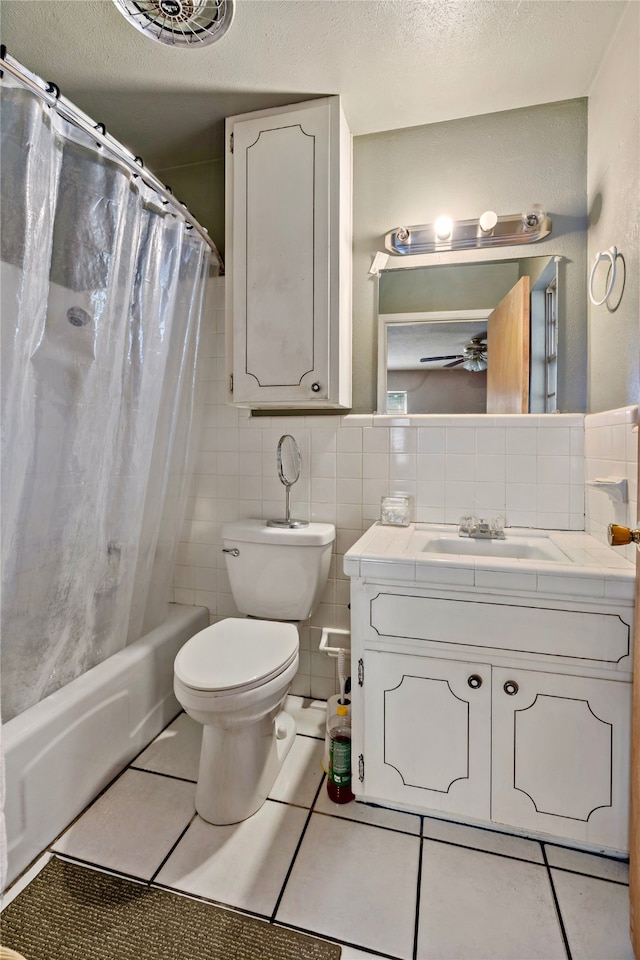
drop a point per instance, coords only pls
(556, 903)
(416, 925)
(160, 773)
(100, 868)
(172, 848)
(589, 876)
(296, 851)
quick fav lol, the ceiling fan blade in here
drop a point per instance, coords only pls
(454, 364)
(452, 356)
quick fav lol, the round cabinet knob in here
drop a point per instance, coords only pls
(315, 387)
(511, 688)
(475, 681)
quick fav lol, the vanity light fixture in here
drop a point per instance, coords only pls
(489, 230)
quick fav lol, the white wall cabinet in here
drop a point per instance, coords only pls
(288, 257)
(456, 725)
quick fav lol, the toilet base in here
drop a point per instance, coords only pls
(239, 764)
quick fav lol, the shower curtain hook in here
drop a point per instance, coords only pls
(53, 88)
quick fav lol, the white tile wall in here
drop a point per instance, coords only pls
(611, 450)
(528, 468)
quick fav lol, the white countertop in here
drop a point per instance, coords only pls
(592, 570)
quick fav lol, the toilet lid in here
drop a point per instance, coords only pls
(236, 653)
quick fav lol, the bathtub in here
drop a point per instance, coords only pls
(61, 752)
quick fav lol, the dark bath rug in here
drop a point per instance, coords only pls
(74, 913)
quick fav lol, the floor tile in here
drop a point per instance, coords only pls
(366, 813)
(301, 773)
(132, 826)
(310, 715)
(606, 868)
(476, 906)
(488, 840)
(595, 914)
(176, 751)
(354, 883)
(243, 864)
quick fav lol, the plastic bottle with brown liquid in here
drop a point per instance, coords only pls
(339, 777)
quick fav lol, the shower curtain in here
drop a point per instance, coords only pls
(102, 290)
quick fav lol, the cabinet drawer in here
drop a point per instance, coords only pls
(601, 637)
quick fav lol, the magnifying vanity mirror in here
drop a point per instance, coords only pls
(469, 338)
(289, 463)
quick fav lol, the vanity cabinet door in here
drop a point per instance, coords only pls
(561, 755)
(427, 732)
(288, 250)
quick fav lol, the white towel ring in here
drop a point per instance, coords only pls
(611, 255)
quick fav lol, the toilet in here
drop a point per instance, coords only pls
(233, 676)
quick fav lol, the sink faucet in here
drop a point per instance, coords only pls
(481, 529)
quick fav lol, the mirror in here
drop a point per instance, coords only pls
(469, 338)
(289, 461)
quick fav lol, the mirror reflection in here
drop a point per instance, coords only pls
(469, 338)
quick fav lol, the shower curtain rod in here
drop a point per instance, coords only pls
(50, 93)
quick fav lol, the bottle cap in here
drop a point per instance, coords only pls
(342, 710)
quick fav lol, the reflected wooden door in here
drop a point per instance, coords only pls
(634, 829)
(508, 352)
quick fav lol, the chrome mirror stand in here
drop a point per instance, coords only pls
(289, 467)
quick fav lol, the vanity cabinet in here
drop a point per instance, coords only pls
(288, 257)
(455, 716)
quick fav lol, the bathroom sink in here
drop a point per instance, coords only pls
(515, 548)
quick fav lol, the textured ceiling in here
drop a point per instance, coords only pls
(396, 63)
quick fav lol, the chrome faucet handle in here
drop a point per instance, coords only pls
(497, 526)
(467, 526)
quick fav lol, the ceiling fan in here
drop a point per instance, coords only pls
(473, 356)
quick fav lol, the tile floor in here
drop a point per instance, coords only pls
(380, 882)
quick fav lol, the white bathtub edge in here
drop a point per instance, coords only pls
(62, 752)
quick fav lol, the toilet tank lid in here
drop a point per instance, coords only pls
(257, 531)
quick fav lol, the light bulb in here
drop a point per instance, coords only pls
(443, 228)
(532, 217)
(475, 364)
(488, 221)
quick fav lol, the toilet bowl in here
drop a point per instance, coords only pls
(233, 676)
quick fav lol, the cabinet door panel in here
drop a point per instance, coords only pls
(427, 733)
(280, 264)
(560, 755)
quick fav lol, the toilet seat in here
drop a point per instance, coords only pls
(235, 655)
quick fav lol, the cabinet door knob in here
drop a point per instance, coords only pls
(511, 688)
(475, 681)
(315, 387)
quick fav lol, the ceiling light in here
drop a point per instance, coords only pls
(475, 364)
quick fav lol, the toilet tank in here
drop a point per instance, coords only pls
(277, 574)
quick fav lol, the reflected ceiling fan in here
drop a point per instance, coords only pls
(472, 358)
